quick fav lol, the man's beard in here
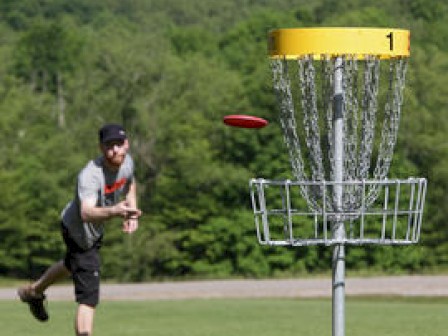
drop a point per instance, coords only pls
(116, 160)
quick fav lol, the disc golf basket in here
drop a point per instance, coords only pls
(340, 93)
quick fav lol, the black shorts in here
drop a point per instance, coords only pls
(84, 266)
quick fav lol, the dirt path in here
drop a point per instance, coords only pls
(321, 287)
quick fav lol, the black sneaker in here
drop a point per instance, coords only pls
(35, 302)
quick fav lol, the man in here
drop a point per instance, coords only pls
(105, 188)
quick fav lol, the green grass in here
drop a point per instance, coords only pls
(226, 317)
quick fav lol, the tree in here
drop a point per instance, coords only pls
(44, 55)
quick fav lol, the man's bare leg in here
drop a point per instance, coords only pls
(54, 273)
(33, 294)
(84, 320)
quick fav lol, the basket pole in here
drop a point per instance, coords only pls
(338, 286)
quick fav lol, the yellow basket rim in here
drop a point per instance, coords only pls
(384, 43)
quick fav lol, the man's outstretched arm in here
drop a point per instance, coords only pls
(92, 213)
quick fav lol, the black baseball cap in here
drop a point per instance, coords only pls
(111, 132)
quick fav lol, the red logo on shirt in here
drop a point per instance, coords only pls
(108, 189)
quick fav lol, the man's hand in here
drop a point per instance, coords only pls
(123, 209)
(130, 215)
(130, 225)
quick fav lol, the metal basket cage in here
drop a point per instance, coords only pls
(283, 217)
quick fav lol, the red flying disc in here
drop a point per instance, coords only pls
(244, 121)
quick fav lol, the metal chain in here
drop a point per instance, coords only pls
(369, 107)
(392, 113)
(360, 116)
(307, 80)
(327, 96)
(350, 85)
(282, 87)
(310, 116)
(351, 119)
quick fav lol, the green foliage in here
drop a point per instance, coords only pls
(194, 39)
(45, 53)
(169, 71)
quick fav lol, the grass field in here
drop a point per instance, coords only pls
(248, 317)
